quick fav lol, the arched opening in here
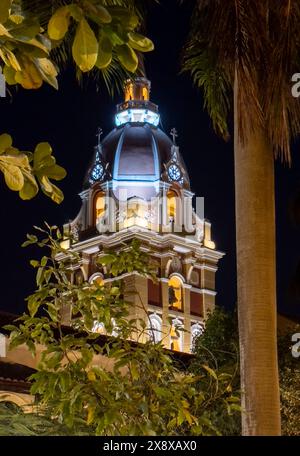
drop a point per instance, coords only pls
(175, 293)
(129, 91)
(99, 206)
(145, 93)
(196, 331)
(155, 331)
(97, 278)
(171, 204)
(176, 335)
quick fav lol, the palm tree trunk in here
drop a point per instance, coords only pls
(256, 282)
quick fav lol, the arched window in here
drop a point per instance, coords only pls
(98, 278)
(129, 92)
(196, 331)
(145, 93)
(171, 204)
(99, 206)
(155, 331)
(175, 293)
(176, 335)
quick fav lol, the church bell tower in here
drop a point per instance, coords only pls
(137, 187)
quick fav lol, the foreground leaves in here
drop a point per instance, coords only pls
(100, 33)
(23, 171)
(137, 389)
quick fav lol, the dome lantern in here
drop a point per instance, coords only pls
(137, 107)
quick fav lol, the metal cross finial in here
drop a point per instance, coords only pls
(99, 134)
(174, 135)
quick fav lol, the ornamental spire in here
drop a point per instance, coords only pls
(174, 135)
(98, 135)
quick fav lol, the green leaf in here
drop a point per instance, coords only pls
(9, 74)
(107, 259)
(4, 9)
(210, 371)
(47, 70)
(34, 263)
(51, 190)
(128, 19)
(103, 14)
(59, 23)
(105, 53)
(13, 176)
(127, 57)
(76, 12)
(4, 31)
(85, 47)
(39, 276)
(33, 307)
(5, 142)
(30, 188)
(140, 42)
(19, 160)
(42, 151)
(55, 172)
(16, 18)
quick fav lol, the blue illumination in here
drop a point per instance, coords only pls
(137, 115)
(174, 173)
(97, 172)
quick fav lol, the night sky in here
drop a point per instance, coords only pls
(69, 118)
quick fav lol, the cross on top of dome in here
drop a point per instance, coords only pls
(174, 135)
(98, 135)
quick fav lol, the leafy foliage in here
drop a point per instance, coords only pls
(14, 421)
(289, 385)
(99, 31)
(24, 170)
(218, 348)
(99, 35)
(139, 389)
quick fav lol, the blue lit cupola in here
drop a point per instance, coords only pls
(137, 187)
(137, 156)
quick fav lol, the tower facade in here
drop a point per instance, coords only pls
(137, 187)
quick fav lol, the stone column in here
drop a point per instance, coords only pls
(165, 312)
(187, 318)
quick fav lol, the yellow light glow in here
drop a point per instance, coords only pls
(129, 92)
(171, 203)
(145, 93)
(99, 206)
(65, 244)
(176, 284)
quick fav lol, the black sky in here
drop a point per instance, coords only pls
(69, 118)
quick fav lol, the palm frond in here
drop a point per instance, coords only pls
(257, 44)
(207, 75)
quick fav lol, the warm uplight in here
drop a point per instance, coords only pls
(175, 340)
(171, 200)
(65, 244)
(175, 292)
(137, 90)
(99, 206)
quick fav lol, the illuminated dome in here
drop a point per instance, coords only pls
(137, 155)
